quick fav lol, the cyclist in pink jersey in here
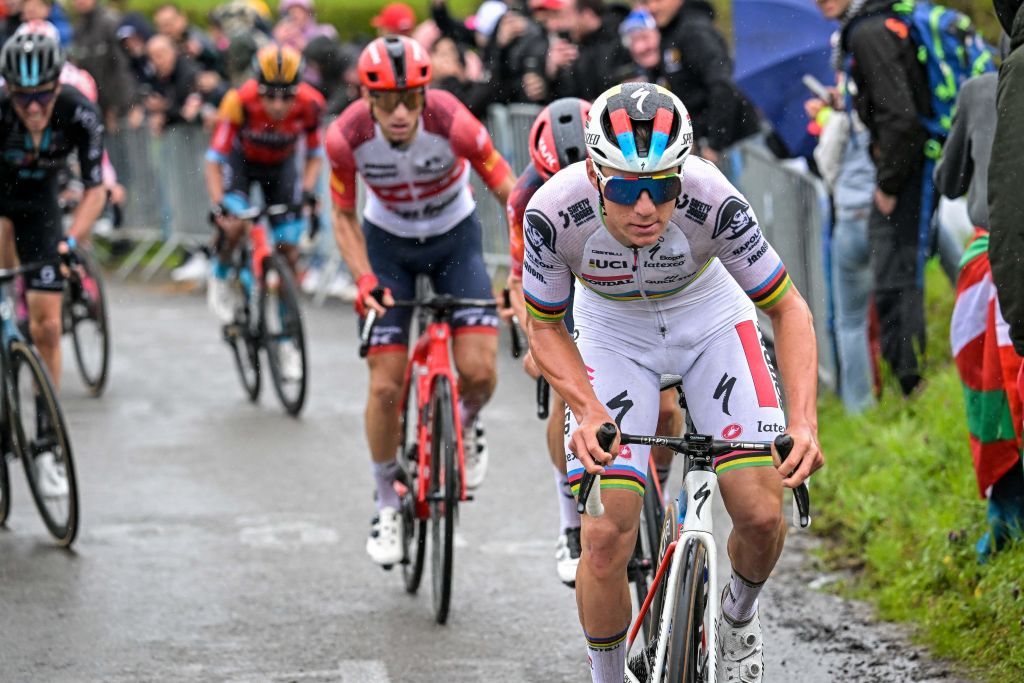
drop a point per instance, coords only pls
(413, 148)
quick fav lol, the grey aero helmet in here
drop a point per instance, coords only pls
(31, 59)
(615, 114)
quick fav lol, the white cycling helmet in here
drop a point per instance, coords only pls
(620, 111)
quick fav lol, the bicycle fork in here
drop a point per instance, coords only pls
(699, 488)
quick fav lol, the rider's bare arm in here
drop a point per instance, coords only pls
(311, 172)
(214, 181)
(351, 242)
(797, 353)
(88, 210)
(558, 358)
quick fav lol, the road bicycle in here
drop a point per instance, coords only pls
(682, 605)
(268, 316)
(32, 425)
(432, 479)
(84, 317)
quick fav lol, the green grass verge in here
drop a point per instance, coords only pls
(898, 500)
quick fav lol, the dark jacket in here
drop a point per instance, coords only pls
(601, 57)
(1005, 198)
(96, 49)
(698, 67)
(176, 88)
(477, 96)
(963, 168)
(508, 65)
(891, 92)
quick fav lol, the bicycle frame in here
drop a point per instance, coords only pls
(699, 486)
(428, 361)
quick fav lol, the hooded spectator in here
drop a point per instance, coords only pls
(133, 34)
(44, 10)
(516, 58)
(96, 49)
(333, 65)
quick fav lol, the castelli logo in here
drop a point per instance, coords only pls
(732, 431)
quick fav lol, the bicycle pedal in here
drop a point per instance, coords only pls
(435, 497)
(469, 497)
(387, 567)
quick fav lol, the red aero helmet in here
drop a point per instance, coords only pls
(394, 63)
(556, 138)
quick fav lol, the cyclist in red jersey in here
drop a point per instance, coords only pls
(413, 148)
(255, 141)
(556, 140)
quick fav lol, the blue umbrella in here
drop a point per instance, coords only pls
(777, 42)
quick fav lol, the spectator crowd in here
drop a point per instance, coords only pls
(888, 146)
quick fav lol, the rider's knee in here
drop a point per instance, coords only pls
(759, 521)
(670, 418)
(45, 331)
(385, 388)
(477, 371)
(606, 548)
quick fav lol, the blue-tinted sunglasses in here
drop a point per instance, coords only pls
(627, 191)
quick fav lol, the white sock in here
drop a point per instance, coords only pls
(740, 600)
(568, 517)
(384, 474)
(607, 657)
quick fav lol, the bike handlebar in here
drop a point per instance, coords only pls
(543, 398)
(441, 304)
(271, 210)
(692, 444)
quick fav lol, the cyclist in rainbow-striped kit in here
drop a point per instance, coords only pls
(671, 261)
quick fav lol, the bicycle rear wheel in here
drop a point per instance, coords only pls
(687, 655)
(5, 490)
(284, 337)
(42, 441)
(444, 495)
(90, 329)
(415, 528)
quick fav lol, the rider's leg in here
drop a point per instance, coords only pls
(383, 424)
(7, 254)
(45, 327)
(476, 359)
(602, 590)
(733, 368)
(630, 391)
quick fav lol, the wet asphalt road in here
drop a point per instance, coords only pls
(223, 541)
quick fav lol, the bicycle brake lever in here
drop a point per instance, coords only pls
(801, 494)
(371, 320)
(590, 498)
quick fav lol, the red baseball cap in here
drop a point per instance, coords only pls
(548, 4)
(397, 17)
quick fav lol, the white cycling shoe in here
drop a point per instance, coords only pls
(474, 450)
(51, 477)
(384, 545)
(221, 299)
(740, 651)
(567, 556)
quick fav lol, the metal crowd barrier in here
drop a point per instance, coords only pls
(167, 203)
(792, 208)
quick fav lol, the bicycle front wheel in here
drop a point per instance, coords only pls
(408, 459)
(687, 655)
(90, 329)
(444, 494)
(283, 337)
(41, 438)
(5, 490)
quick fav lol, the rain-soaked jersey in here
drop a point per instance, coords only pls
(422, 189)
(712, 222)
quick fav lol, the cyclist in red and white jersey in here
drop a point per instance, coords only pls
(413, 148)
(667, 277)
(556, 141)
